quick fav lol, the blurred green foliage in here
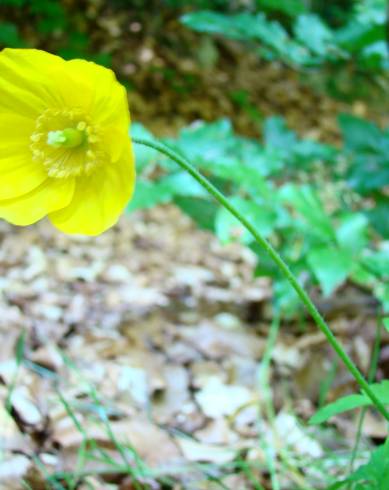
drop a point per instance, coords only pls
(345, 40)
(41, 23)
(308, 198)
(350, 402)
(48, 16)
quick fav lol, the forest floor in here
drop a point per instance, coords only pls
(151, 340)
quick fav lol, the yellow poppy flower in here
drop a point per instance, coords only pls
(65, 152)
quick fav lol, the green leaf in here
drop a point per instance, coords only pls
(331, 267)
(359, 134)
(208, 141)
(248, 27)
(202, 211)
(372, 12)
(14, 3)
(351, 234)
(306, 201)
(211, 147)
(183, 184)
(9, 35)
(311, 31)
(145, 156)
(307, 151)
(228, 228)
(350, 402)
(374, 56)
(369, 172)
(285, 298)
(20, 348)
(291, 151)
(52, 16)
(375, 474)
(339, 406)
(381, 292)
(149, 194)
(215, 148)
(386, 324)
(378, 264)
(293, 8)
(215, 23)
(277, 135)
(369, 151)
(355, 35)
(378, 216)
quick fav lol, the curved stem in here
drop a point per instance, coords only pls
(265, 245)
(370, 378)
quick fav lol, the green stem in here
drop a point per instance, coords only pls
(265, 245)
(370, 378)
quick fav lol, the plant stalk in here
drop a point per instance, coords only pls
(267, 247)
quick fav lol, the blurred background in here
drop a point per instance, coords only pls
(248, 59)
(173, 327)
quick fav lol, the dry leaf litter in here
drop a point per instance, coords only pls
(144, 338)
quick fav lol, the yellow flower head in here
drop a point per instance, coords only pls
(64, 145)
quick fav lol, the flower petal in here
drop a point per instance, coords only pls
(19, 174)
(15, 133)
(114, 141)
(109, 104)
(99, 199)
(75, 90)
(27, 81)
(51, 195)
(32, 80)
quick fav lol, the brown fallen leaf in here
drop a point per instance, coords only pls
(146, 438)
(10, 436)
(217, 342)
(199, 452)
(25, 407)
(217, 399)
(13, 468)
(218, 432)
(172, 399)
(374, 426)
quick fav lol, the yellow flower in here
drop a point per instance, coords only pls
(64, 145)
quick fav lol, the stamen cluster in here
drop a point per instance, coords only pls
(62, 160)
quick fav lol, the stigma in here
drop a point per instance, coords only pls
(67, 144)
(66, 138)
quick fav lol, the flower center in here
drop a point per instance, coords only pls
(67, 144)
(67, 138)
